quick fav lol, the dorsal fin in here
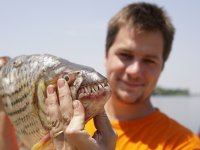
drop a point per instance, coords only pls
(4, 60)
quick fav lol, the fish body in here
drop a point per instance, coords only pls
(23, 82)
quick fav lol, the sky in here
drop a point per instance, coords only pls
(76, 30)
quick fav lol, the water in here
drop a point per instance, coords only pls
(184, 109)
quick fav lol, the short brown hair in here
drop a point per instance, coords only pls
(142, 16)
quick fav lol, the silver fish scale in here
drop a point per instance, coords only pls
(17, 88)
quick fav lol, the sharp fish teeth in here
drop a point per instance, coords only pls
(89, 89)
(96, 87)
(86, 90)
(100, 86)
(93, 90)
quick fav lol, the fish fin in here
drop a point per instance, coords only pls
(3, 60)
(44, 144)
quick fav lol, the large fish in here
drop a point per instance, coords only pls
(23, 82)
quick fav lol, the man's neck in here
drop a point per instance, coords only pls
(120, 111)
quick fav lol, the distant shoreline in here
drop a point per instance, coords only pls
(160, 91)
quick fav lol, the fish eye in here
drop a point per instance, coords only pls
(78, 72)
(66, 77)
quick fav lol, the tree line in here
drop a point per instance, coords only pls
(168, 91)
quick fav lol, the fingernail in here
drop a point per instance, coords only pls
(61, 83)
(75, 104)
(50, 90)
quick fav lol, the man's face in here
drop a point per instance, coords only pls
(133, 64)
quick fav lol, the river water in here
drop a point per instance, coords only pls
(184, 109)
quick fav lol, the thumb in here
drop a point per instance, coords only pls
(105, 133)
(77, 122)
(103, 124)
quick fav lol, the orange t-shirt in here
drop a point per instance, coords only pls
(154, 132)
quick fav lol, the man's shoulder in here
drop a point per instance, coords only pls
(173, 127)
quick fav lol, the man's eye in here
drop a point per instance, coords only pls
(125, 56)
(150, 61)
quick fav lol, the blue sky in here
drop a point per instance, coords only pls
(76, 30)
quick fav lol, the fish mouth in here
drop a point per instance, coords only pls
(88, 85)
(93, 91)
(93, 97)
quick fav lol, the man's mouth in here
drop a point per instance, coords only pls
(132, 85)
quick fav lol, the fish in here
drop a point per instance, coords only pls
(23, 83)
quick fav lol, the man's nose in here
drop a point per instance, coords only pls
(134, 68)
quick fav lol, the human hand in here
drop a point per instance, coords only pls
(70, 135)
(59, 111)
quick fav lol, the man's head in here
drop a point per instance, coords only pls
(138, 43)
(143, 17)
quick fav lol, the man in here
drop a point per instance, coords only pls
(139, 41)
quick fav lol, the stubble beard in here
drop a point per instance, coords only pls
(128, 99)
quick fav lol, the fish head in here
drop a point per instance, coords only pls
(89, 87)
(86, 85)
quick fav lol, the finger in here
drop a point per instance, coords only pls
(105, 134)
(52, 103)
(77, 123)
(54, 115)
(73, 132)
(76, 134)
(104, 126)
(65, 101)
